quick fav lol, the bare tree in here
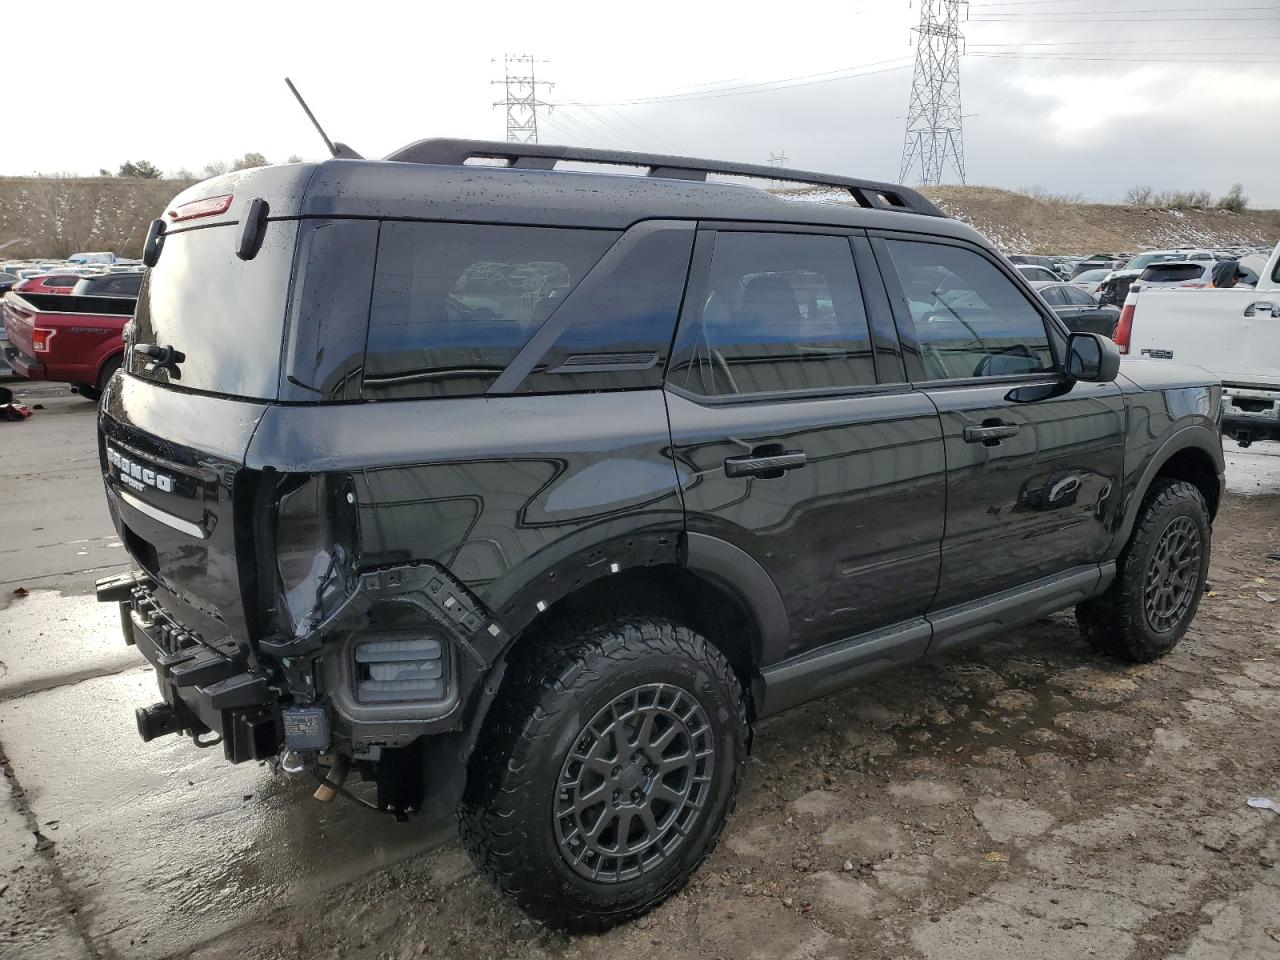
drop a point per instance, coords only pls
(1140, 195)
(215, 168)
(1234, 200)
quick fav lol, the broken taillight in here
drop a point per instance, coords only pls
(40, 338)
(208, 207)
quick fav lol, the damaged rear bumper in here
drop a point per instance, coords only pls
(208, 686)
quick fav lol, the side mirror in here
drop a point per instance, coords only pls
(1092, 358)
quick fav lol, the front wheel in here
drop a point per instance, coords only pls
(1160, 578)
(606, 771)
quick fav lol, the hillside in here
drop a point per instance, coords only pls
(1020, 224)
(54, 217)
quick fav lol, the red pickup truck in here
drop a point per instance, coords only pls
(76, 339)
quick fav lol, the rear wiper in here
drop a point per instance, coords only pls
(162, 356)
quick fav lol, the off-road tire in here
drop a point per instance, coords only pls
(1117, 623)
(509, 817)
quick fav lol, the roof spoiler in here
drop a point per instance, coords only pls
(538, 156)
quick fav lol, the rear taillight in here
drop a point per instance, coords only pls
(40, 339)
(1124, 328)
(208, 207)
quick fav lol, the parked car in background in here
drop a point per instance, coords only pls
(1233, 333)
(1115, 287)
(75, 339)
(1049, 263)
(1037, 274)
(110, 285)
(1078, 310)
(7, 282)
(1090, 280)
(103, 257)
(1095, 263)
(54, 283)
(1178, 273)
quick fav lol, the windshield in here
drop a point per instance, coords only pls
(225, 315)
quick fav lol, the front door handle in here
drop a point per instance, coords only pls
(1266, 306)
(765, 463)
(990, 434)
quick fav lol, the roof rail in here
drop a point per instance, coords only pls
(540, 156)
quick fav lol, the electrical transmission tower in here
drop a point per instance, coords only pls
(521, 101)
(777, 159)
(935, 137)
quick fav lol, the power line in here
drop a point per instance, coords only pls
(521, 101)
(935, 136)
(1096, 18)
(764, 86)
(1065, 58)
(1101, 43)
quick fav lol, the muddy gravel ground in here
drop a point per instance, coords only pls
(1024, 799)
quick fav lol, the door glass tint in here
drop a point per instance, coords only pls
(782, 312)
(969, 319)
(1053, 296)
(453, 303)
(1077, 298)
(615, 330)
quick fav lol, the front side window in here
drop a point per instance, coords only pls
(782, 312)
(968, 319)
(453, 303)
(1077, 298)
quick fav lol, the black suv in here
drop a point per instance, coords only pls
(526, 490)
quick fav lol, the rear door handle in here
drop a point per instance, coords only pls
(990, 434)
(1265, 306)
(767, 466)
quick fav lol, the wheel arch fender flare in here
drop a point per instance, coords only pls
(1195, 438)
(737, 571)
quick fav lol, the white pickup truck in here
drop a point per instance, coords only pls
(1233, 333)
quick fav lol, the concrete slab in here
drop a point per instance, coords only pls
(150, 832)
(47, 639)
(35, 923)
(54, 523)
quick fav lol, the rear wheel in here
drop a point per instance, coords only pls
(1160, 578)
(606, 772)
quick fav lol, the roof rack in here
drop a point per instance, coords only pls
(539, 156)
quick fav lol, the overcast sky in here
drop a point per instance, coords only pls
(1076, 96)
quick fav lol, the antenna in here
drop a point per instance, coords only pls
(335, 149)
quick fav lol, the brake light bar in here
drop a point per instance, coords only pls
(40, 337)
(208, 207)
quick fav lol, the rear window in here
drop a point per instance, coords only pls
(1172, 272)
(454, 303)
(224, 314)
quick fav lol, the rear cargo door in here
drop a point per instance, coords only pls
(174, 429)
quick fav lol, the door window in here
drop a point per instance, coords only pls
(1054, 296)
(968, 319)
(782, 312)
(1078, 298)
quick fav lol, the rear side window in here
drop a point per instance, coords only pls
(968, 319)
(615, 331)
(454, 303)
(782, 312)
(1077, 298)
(1054, 296)
(61, 281)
